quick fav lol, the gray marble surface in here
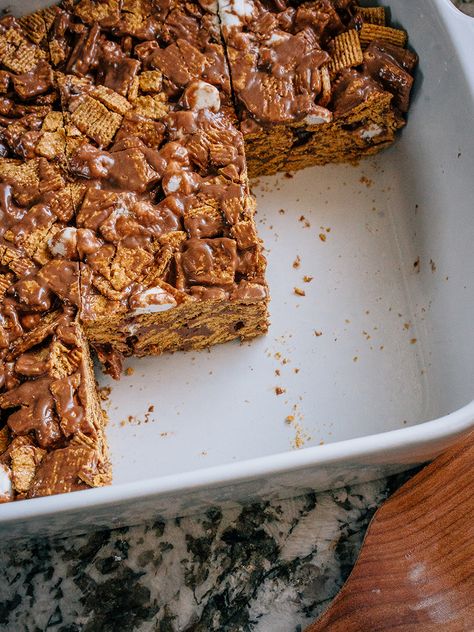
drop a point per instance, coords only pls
(265, 567)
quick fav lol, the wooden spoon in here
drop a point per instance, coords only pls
(415, 572)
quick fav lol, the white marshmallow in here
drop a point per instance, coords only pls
(61, 243)
(6, 488)
(370, 131)
(202, 96)
(232, 12)
(151, 301)
(318, 117)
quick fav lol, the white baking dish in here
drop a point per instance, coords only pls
(388, 384)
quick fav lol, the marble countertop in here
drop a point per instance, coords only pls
(271, 566)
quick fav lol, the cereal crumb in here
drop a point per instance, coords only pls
(367, 181)
(355, 358)
(416, 264)
(307, 279)
(322, 236)
(279, 390)
(289, 175)
(104, 393)
(289, 419)
(129, 371)
(318, 333)
(299, 291)
(413, 341)
(282, 211)
(432, 265)
(297, 262)
(296, 370)
(277, 372)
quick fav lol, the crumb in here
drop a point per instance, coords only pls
(282, 211)
(367, 181)
(416, 264)
(129, 371)
(305, 221)
(413, 341)
(328, 229)
(299, 291)
(289, 419)
(355, 358)
(432, 265)
(297, 262)
(322, 236)
(123, 422)
(204, 453)
(279, 390)
(321, 443)
(318, 333)
(104, 393)
(277, 372)
(296, 370)
(307, 279)
(289, 175)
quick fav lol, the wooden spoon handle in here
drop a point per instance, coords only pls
(415, 572)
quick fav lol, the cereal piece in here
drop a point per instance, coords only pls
(372, 15)
(61, 471)
(51, 145)
(153, 107)
(150, 81)
(371, 32)
(17, 54)
(210, 261)
(4, 439)
(111, 99)
(36, 25)
(106, 13)
(52, 122)
(95, 120)
(346, 51)
(24, 461)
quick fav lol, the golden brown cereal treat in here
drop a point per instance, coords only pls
(293, 83)
(52, 434)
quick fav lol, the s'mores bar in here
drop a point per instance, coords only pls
(315, 82)
(52, 426)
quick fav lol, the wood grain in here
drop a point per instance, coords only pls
(415, 572)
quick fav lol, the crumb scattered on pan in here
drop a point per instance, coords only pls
(296, 370)
(289, 419)
(307, 279)
(104, 393)
(318, 333)
(416, 264)
(432, 265)
(299, 292)
(355, 359)
(277, 372)
(289, 175)
(304, 221)
(413, 341)
(279, 390)
(367, 181)
(322, 236)
(282, 211)
(129, 371)
(297, 262)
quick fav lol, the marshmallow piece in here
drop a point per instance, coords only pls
(6, 487)
(319, 116)
(371, 131)
(151, 301)
(64, 243)
(232, 12)
(200, 95)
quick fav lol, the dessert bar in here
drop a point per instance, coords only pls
(315, 82)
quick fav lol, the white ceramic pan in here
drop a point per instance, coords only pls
(389, 382)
